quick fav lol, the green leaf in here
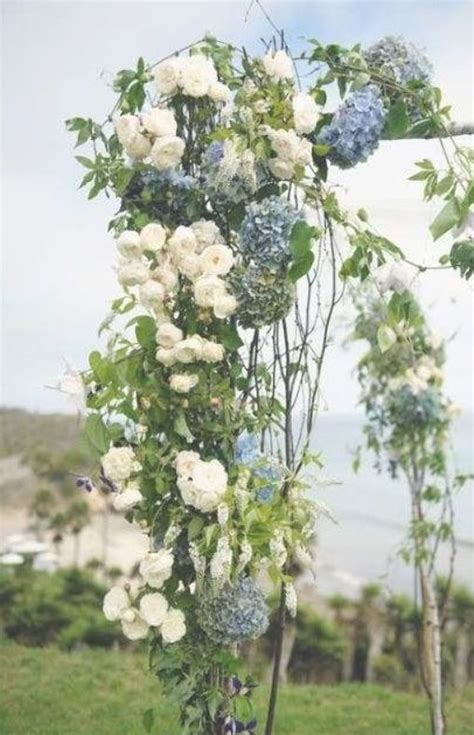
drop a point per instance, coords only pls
(195, 527)
(181, 427)
(96, 434)
(300, 238)
(85, 161)
(301, 266)
(462, 257)
(146, 331)
(397, 119)
(386, 337)
(229, 337)
(446, 219)
(148, 719)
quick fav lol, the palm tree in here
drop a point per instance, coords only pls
(41, 509)
(78, 517)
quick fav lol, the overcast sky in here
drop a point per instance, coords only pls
(58, 59)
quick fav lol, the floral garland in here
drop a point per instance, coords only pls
(219, 180)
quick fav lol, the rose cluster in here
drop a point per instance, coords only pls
(152, 134)
(202, 484)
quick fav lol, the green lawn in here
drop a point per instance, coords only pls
(46, 692)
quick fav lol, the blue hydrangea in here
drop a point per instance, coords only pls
(171, 197)
(264, 297)
(235, 613)
(265, 469)
(355, 129)
(399, 59)
(265, 232)
(411, 410)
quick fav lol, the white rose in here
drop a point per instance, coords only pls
(278, 65)
(168, 335)
(212, 352)
(132, 273)
(127, 500)
(190, 266)
(153, 237)
(225, 306)
(206, 485)
(208, 289)
(160, 122)
(198, 75)
(182, 242)
(134, 626)
(185, 462)
(304, 152)
(118, 463)
(157, 567)
(166, 152)
(168, 75)
(151, 294)
(393, 276)
(129, 245)
(173, 627)
(189, 350)
(153, 608)
(166, 356)
(216, 259)
(207, 233)
(285, 143)
(281, 169)
(166, 276)
(116, 601)
(220, 93)
(305, 113)
(138, 147)
(183, 383)
(128, 132)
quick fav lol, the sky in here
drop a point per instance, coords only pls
(58, 62)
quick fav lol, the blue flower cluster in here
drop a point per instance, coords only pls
(264, 297)
(265, 469)
(411, 410)
(355, 129)
(171, 197)
(235, 613)
(399, 59)
(265, 232)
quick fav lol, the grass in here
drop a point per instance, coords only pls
(47, 692)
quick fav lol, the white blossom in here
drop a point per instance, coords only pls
(222, 514)
(168, 75)
(160, 122)
(185, 461)
(173, 627)
(151, 294)
(221, 562)
(198, 76)
(71, 384)
(291, 600)
(129, 245)
(189, 350)
(132, 273)
(245, 555)
(278, 65)
(127, 499)
(225, 305)
(152, 237)
(153, 608)
(208, 289)
(134, 627)
(156, 567)
(168, 335)
(166, 356)
(212, 351)
(220, 93)
(167, 152)
(217, 260)
(182, 242)
(190, 266)
(207, 233)
(116, 601)
(167, 276)
(278, 550)
(118, 463)
(305, 113)
(206, 485)
(393, 276)
(183, 382)
(128, 129)
(199, 561)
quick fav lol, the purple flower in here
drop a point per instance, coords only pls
(82, 481)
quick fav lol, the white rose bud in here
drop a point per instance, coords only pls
(129, 245)
(153, 237)
(160, 122)
(173, 627)
(167, 152)
(168, 335)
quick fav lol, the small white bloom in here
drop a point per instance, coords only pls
(167, 152)
(216, 260)
(181, 243)
(305, 113)
(183, 383)
(245, 555)
(167, 276)
(116, 601)
(190, 266)
(393, 276)
(166, 356)
(168, 75)
(189, 350)
(168, 335)
(199, 561)
(72, 385)
(225, 306)
(212, 352)
(156, 567)
(153, 608)
(206, 233)
(173, 627)
(185, 461)
(208, 289)
(132, 273)
(128, 132)
(220, 93)
(278, 550)
(118, 463)
(222, 514)
(128, 499)
(221, 562)
(303, 556)
(281, 169)
(151, 294)
(134, 626)
(198, 75)
(160, 122)
(152, 237)
(278, 65)
(291, 600)
(129, 245)
(171, 534)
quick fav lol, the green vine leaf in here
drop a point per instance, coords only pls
(446, 219)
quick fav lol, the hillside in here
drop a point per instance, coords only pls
(21, 431)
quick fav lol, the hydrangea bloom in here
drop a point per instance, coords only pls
(355, 130)
(235, 613)
(170, 197)
(265, 232)
(229, 174)
(414, 410)
(399, 59)
(268, 472)
(263, 297)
